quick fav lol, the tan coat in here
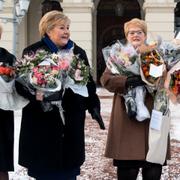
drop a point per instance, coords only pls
(127, 138)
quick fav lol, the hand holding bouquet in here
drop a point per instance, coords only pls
(41, 72)
(51, 73)
(123, 60)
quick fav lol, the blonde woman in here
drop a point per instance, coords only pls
(127, 142)
(49, 149)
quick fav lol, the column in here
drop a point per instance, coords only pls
(80, 14)
(159, 16)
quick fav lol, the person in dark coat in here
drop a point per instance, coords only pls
(48, 148)
(127, 142)
(6, 125)
(48, 5)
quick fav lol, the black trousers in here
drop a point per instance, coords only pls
(152, 172)
(69, 174)
(50, 178)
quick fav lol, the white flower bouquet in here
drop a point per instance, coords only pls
(123, 60)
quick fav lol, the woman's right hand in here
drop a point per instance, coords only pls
(39, 95)
(134, 81)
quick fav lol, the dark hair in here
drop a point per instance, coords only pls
(48, 5)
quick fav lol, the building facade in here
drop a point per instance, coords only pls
(94, 23)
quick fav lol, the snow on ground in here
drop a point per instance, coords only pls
(96, 166)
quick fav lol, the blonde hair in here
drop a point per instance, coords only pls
(1, 29)
(50, 20)
(137, 23)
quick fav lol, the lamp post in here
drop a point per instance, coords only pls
(1, 4)
(19, 11)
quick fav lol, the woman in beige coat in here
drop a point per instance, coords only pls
(127, 142)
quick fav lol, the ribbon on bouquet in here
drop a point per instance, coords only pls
(61, 110)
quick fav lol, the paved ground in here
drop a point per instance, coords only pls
(97, 167)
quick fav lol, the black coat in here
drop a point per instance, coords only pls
(44, 142)
(6, 123)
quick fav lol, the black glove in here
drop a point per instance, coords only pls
(53, 96)
(95, 113)
(134, 81)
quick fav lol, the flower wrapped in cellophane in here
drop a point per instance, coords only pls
(51, 74)
(170, 53)
(6, 73)
(121, 59)
(78, 76)
(25, 64)
(42, 72)
(151, 68)
(172, 83)
(124, 60)
(10, 100)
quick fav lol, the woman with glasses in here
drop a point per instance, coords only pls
(127, 142)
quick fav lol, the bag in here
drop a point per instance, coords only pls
(158, 141)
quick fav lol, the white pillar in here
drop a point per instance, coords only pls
(81, 24)
(159, 16)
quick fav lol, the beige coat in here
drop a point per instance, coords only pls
(127, 138)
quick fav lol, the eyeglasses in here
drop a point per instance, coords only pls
(132, 33)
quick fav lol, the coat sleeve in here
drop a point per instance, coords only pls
(23, 90)
(113, 82)
(93, 101)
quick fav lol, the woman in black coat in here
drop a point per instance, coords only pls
(49, 149)
(6, 124)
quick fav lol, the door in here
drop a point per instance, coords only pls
(111, 16)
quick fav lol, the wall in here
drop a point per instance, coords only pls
(81, 24)
(8, 27)
(159, 16)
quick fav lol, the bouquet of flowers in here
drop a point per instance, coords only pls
(151, 68)
(172, 83)
(7, 72)
(10, 100)
(25, 64)
(123, 60)
(44, 77)
(78, 71)
(51, 73)
(175, 82)
(77, 76)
